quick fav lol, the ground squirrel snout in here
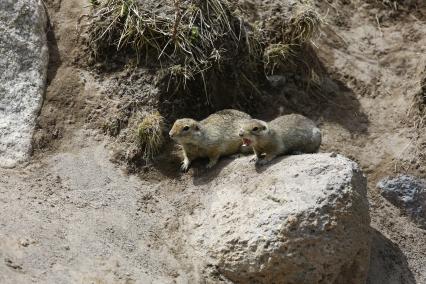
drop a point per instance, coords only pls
(286, 134)
(213, 137)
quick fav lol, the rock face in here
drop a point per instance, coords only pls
(303, 219)
(23, 66)
(407, 193)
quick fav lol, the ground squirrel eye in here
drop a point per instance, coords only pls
(255, 128)
(186, 128)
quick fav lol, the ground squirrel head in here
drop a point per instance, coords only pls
(251, 130)
(185, 130)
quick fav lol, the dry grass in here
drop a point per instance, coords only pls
(150, 135)
(191, 37)
(285, 39)
(305, 24)
(393, 4)
(189, 34)
(417, 116)
(276, 54)
(418, 109)
(114, 125)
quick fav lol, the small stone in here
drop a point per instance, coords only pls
(409, 194)
(24, 242)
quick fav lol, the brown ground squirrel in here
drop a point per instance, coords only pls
(284, 135)
(213, 137)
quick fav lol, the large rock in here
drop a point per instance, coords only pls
(303, 219)
(409, 194)
(23, 66)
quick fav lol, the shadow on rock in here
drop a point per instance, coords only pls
(261, 168)
(388, 264)
(169, 164)
(202, 175)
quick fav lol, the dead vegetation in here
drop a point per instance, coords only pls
(186, 38)
(400, 5)
(285, 42)
(190, 37)
(417, 118)
(395, 4)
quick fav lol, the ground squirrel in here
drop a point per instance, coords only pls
(215, 136)
(284, 135)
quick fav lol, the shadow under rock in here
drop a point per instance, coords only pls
(388, 264)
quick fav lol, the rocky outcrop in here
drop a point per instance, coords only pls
(409, 194)
(303, 219)
(23, 66)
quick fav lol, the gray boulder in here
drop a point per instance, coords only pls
(408, 193)
(303, 219)
(23, 66)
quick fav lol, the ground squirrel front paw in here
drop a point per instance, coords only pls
(185, 165)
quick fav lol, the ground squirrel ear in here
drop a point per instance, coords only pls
(264, 127)
(197, 127)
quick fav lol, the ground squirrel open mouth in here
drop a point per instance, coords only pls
(286, 134)
(246, 142)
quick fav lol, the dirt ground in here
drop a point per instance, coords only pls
(71, 215)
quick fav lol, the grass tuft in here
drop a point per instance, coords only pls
(275, 54)
(190, 37)
(150, 135)
(187, 33)
(285, 39)
(304, 25)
